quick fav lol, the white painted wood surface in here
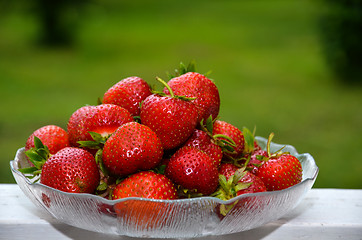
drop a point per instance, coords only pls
(323, 214)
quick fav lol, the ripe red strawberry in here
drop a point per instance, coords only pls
(196, 85)
(201, 140)
(103, 119)
(71, 170)
(277, 170)
(173, 118)
(128, 93)
(225, 128)
(54, 137)
(280, 171)
(193, 170)
(130, 148)
(145, 184)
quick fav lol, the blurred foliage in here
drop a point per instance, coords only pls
(341, 31)
(266, 59)
(57, 20)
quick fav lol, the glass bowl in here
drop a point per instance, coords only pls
(183, 218)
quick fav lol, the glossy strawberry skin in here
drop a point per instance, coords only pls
(52, 136)
(71, 170)
(196, 85)
(145, 184)
(201, 140)
(193, 170)
(225, 128)
(280, 172)
(227, 169)
(103, 119)
(174, 120)
(128, 93)
(132, 147)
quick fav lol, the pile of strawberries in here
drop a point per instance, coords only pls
(169, 144)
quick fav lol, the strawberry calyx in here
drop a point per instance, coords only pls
(160, 169)
(230, 187)
(107, 182)
(97, 143)
(249, 147)
(277, 153)
(182, 69)
(226, 143)
(263, 158)
(244, 160)
(249, 138)
(99, 161)
(103, 189)
(37, 155)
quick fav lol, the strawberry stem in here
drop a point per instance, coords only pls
(271, 135)
(172, 95)
(228, 140)
(167, 86)
(276, 153)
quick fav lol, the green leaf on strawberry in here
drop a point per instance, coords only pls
(37, 155)
(182, 69)
(249, 140)
(97, 143)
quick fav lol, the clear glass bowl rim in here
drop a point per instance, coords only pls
(14, 168)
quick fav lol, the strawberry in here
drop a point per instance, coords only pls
(71, 170)
(128, 93)
(173, 118)
(145, 184)
(212, 144)
(193, 170)
(103, 119)
(130, 148)
(205, 92)
(54, 137)
(143, 215)
(280, 170)
(225, 128)
(201, 140)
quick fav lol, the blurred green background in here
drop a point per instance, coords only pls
(279, 65)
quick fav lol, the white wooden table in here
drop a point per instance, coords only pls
(323, 214)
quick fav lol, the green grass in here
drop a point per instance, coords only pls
(265, 57)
